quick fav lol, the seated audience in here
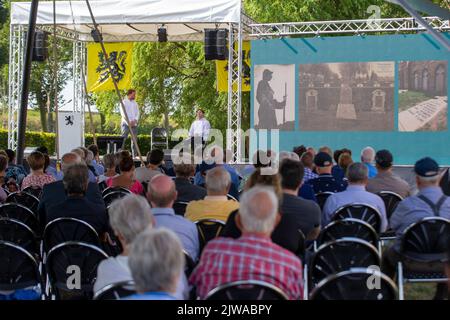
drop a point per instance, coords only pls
(54, 193)
(109, 161)
(445, 182)
(355, 193)
(90, 163)
(185, 189)
(337, 171)
(327, 150)
(368, 158)
(386, 179)
(161, 195)
(77, 205)
(345, 160)
(37, 177)
(307, 160)
(254, 256)
(50, 165)
(82, 155)
(128, 217)
(96, 161)
(325, 180)
(126, 177)
(156, 263)
(155, 159)
(3, 166)
(216, 204)
(13, 171)
(261, 159)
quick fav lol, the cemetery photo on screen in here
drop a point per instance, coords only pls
(274, 97)
(423, 99)
(356, 96)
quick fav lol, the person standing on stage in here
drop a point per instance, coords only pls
(199, 128)
(132, 111)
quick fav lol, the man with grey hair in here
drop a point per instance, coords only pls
(368, 158)
(128, 217)
(216, 204)
(156, 262)
(253, 256)
(161, 195)
(54, 193)
(355, 193)
(76, 205)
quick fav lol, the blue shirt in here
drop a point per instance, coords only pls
(151, 296)
(338, 172)
(372, 170)
(353, 194)
(326, 182)
(98, 168)
(413, 209)
(307, 192)
(185, 229)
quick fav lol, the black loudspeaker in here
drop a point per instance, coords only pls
(162, 34)
(40, 50)
(221, 44)
(96, 35)
(210, 44)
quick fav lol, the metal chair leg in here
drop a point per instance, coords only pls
(305, 283)
(400, 281)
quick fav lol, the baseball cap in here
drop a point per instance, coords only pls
(384, 158)
(323, 159)
(426, 167)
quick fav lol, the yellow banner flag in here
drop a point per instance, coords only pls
(98, 75)
(222, 70)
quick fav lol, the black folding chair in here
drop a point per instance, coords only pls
(17, 232)
(391, 201)
(322, 197)
(159, 139)
(18, 268)
(359, 211)
(339, 255)
(21, 213)
(208, 229)
(189, 264)
(25, 199)
(34, 190)
(349, 227)
(72, 270)
(180, 207)
(115, 291)
(230, 197)
(113, 189)
(352, 284)
(114, 195)
(301, 245)
(68, 229)
(423, 251)
(246, 290)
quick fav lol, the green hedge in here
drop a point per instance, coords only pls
(36, 139)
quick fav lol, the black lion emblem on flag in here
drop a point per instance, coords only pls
(117, 61)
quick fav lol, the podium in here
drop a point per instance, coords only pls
(111, 143)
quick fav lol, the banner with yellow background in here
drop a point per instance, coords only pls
(98, 75)
(222, 71)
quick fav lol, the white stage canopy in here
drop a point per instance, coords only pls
(134, 20)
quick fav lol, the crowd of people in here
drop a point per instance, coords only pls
(264, 219)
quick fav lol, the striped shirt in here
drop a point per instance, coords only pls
(250, 257)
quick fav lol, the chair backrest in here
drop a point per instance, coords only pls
(391, 201)
(115, 291)
(208, 229)
(68, 229)
(246, 290)
(111, 196)
(25, 199)
(230, 197)
(349, 227)
(342, 254)
(180, 207)
(60, 262)
(159, 137)
(359, 211)
(189, 264)
(19, 212)
(17, 232)
(34, 190)
(352, 284)
(427, 236)
(112, 189)
(322, 197)
(18, 268)
(301, 245)
(158, 133)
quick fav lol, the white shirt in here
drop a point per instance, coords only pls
(132, 110)
(200, 128)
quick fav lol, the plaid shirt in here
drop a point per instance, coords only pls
(309, 175)
(250, 257)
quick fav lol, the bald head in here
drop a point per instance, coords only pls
(161, 191)
(68, 159)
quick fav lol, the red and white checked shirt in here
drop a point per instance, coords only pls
(37, 180)
(251, 257)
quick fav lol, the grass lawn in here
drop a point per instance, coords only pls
(419, 291)
(409, 99)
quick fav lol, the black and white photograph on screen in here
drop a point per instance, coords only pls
(422, 97)
(353, 96)
(274, 97)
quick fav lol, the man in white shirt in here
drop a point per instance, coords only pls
(132, 111)
(199, 128)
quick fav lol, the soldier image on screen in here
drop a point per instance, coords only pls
(267, 103)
